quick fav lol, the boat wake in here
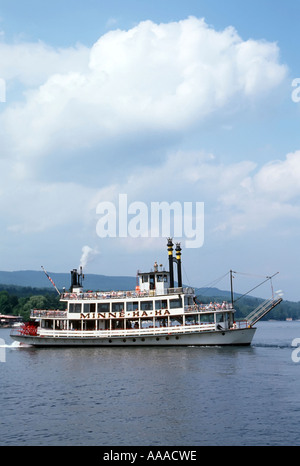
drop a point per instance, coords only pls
(15, 344)
(271, 345)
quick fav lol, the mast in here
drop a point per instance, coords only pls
(231, 287)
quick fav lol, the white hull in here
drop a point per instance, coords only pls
(233, 337)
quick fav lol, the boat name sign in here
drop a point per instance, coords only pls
(120, 315)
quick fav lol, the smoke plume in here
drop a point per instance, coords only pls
(87, 255)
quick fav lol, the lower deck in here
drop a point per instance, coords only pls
(183, 336)
(192, 325)
(136, 321)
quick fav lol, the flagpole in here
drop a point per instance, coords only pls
(50, 279)
(231, 287)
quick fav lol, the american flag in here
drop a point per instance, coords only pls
(49, 278)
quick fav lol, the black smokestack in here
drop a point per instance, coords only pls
(178, 260)
(170, 252)
(74, 279)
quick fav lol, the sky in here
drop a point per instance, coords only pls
(193, 103)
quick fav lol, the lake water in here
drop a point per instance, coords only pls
(153, 396)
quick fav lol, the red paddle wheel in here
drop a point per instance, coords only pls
(28, 328)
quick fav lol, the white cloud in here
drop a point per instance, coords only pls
(31, 64)
(268, 196)
(130, 86)
(35, 207)
(281, 178)
(239, 197)
(151, 78)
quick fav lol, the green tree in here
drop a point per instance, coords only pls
(27, 304)
(6, 303)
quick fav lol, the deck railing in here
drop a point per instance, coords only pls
(212, 307)
(53, 314)
(124, 294)
(125, 333)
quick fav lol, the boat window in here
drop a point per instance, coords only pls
(145, 278)
(161, 304)
(220, 317)
(75, 308)
(175, 303)
(162, 278)
(147, 323)
(192, 319)
(75, 325)
(86, 308)
(103, 307)
(207, 318)
(89, 325)
(117, 307)
(161, 321)
(146, 305)
(132, 306)
(152, 283)
(188, 300)
(117, 324)
(92, 308)
(132, 323)
(175, 321)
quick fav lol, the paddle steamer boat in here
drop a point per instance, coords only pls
(156, 313)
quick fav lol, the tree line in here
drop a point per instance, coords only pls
(285, 310)
(19, 301)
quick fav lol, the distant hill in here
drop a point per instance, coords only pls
(37, 279)
(215, 292)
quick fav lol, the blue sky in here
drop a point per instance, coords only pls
(64, 23)
(149, 99)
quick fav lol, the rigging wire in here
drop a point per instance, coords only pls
(184, 271)
(251, 274)
(267, 279)
(210, 285)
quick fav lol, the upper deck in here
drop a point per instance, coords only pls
(104, 295)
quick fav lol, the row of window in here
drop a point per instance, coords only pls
(129, 306)
(159, 278)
